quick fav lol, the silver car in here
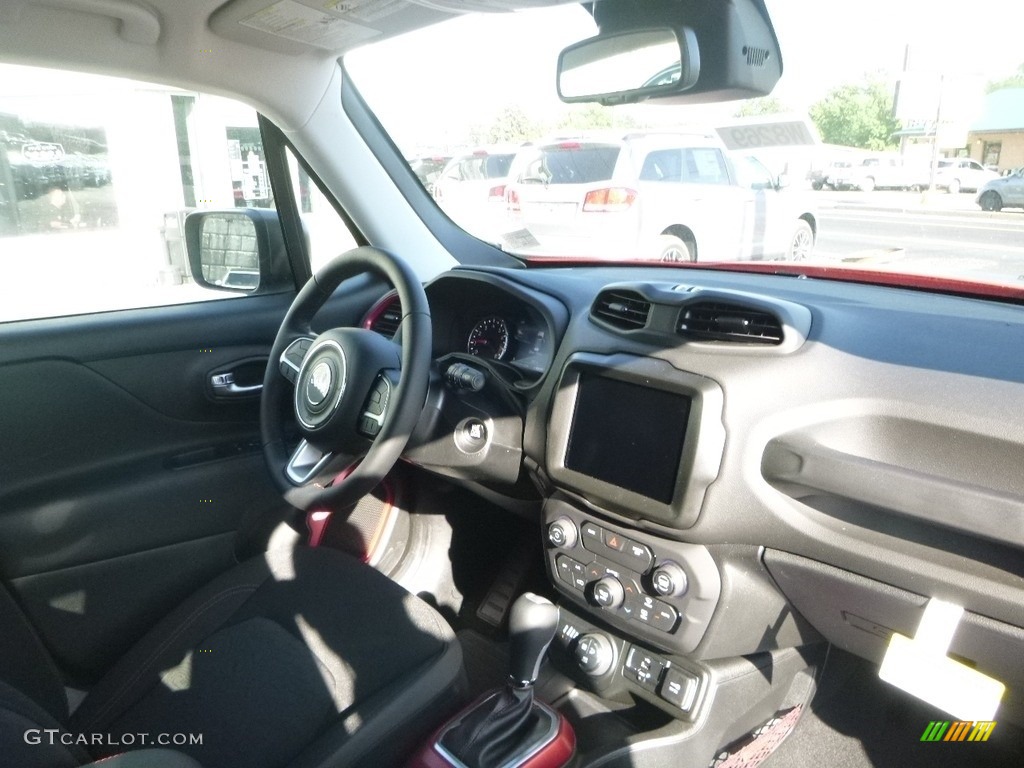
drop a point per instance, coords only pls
(1004, 192)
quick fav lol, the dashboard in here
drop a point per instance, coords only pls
(729, 464)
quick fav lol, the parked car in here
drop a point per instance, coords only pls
(961, 174)
(428, 169)
(879, 172)
(663, 196)
(471, 188)
(824, 178)
(1004, 192)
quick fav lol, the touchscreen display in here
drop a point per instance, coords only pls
(628, 435)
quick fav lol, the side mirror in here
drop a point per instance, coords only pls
(241, 251)
(782, 181)
(629, 66)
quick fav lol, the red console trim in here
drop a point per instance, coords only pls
(556, 753)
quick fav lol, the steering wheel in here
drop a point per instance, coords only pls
(355, 396)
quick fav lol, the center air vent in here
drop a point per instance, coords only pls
(723, 322)
(622, 309)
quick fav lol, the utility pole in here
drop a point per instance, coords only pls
(935, 137)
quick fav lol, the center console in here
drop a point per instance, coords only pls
(633, 445)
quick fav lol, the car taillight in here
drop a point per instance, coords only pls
(609, 200)
(514, 205)
(497, 194)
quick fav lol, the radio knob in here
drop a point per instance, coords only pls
(594, 654)
(562, 533)
(669, 580)
(607, 592)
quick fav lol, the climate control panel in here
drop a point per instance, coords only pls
(661, 590)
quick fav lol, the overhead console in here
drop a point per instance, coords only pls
(636, 437)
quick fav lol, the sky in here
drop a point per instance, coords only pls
(463, 71)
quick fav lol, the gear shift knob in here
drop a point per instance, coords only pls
(531, 627)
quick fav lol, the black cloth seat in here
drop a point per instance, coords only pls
(292, 660)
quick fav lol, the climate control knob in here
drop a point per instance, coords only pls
(607, 592)
(669, 580)
(562, 533)
(594, 654)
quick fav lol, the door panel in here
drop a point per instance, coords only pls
(123, 481)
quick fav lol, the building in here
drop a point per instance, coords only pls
(996, 137)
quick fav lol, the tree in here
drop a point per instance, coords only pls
(585, 117)
(857, 116)
(1016, 80)
(511, 126)
(765, 105)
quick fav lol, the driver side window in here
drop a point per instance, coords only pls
(97, 175)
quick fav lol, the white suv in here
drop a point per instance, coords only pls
(671, 197)
(471, 188)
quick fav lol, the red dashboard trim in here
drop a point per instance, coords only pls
(378, 309)
(950, 285)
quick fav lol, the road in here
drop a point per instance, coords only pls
(945, 235)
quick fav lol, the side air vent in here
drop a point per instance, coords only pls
(623, 309)
(723, 322)
(756, 57)
(385, 317)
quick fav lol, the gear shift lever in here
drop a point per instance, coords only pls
(531, 627)
(508, 724)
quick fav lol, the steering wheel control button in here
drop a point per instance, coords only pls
(562, 533)
(471, 435)
(594, 654)
(669, 580)
(607, 593)
(679, 688)
(375, 407)
(291, 359)
(643, 668)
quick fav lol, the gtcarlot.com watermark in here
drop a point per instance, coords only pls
(54, 736)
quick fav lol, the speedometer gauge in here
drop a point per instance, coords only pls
(489, 338)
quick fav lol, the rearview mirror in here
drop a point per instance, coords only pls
(240, 250)
(629, 66)
(673, 51)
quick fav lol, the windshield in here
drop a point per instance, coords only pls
(890, 144)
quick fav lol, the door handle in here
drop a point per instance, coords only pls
(223, 385)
